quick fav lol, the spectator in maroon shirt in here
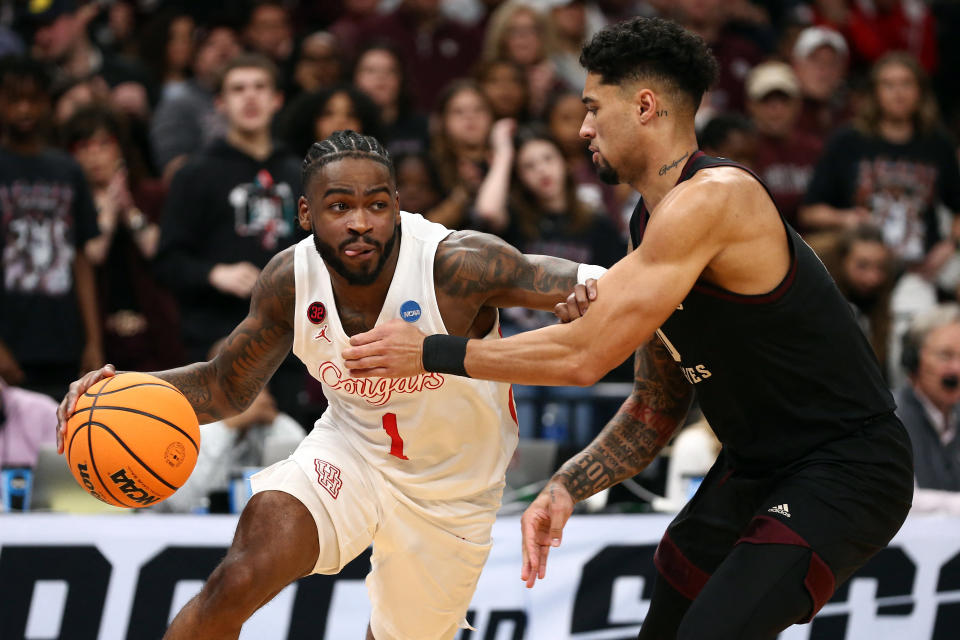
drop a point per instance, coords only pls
(820, 57)
(785, 157)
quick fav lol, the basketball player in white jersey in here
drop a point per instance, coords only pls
(414, 466)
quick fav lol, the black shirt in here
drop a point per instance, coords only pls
(901, 185)
(776, 374)
(46, 216)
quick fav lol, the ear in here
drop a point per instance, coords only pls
(218, 103)
(303, 213)
(645, 104)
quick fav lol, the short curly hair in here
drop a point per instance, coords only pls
(652, 48)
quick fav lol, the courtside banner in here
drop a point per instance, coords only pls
(124, 577)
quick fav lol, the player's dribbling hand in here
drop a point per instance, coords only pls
(542, 527)
(77, 389)
(577, 302)
(391, 350)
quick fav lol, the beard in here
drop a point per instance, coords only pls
(606, 173)
(361, 278)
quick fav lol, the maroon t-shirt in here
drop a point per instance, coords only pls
(786, 165)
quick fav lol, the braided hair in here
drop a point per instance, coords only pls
(344, 144)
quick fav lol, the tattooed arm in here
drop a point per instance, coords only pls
(469, 264)
(631, 440)
(227, 384)
(640, 429)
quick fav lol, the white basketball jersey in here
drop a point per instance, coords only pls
(434, 436)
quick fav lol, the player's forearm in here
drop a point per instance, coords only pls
(199, 383)
(625, 447)
(557, 355)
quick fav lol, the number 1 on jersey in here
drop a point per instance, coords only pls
(396, 442)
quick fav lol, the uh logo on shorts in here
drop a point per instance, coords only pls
(328, 476)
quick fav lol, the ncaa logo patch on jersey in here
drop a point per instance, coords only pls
(316, 312)
(410, 311)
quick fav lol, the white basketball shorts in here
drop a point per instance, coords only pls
(424, 568)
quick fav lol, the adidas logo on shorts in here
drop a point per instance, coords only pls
(781, 509)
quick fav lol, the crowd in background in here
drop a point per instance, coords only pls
(143, 187)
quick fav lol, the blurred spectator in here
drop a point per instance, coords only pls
(820, 61)
(928, 407)
(730, 136)
(570, 24)
(863, 268)
(229, 210)
(348, 29)
(314, 116)
(28, 422)
(116, 32)
(530, 197)
(49, 325)
(141, 327)
(230, 446)
(735, 54)
(505, 85)
(459, 150)
(167, 50)
(785, 157)
(187, 120)
(60, 37)
(563, 116)
(417, 182)
(379, 73)
(518, 32)
(318, 64)
(74, 94)
(894, 167)
(268, 31)
(428, 41)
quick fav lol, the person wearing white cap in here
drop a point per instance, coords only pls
(820, 57)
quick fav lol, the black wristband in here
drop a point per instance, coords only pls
(445, 354)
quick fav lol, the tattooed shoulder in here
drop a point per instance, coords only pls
(470, 263)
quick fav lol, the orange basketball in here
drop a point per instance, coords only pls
(133, 440)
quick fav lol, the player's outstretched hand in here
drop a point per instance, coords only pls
(392, 350)
(77, 389)
(542, 527)
(577, 302)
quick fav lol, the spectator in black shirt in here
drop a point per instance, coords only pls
(229, 209)
(49, 327)
(893, 168)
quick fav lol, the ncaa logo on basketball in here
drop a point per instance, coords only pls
(130, 488)
(410, 311)
(316, 312)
